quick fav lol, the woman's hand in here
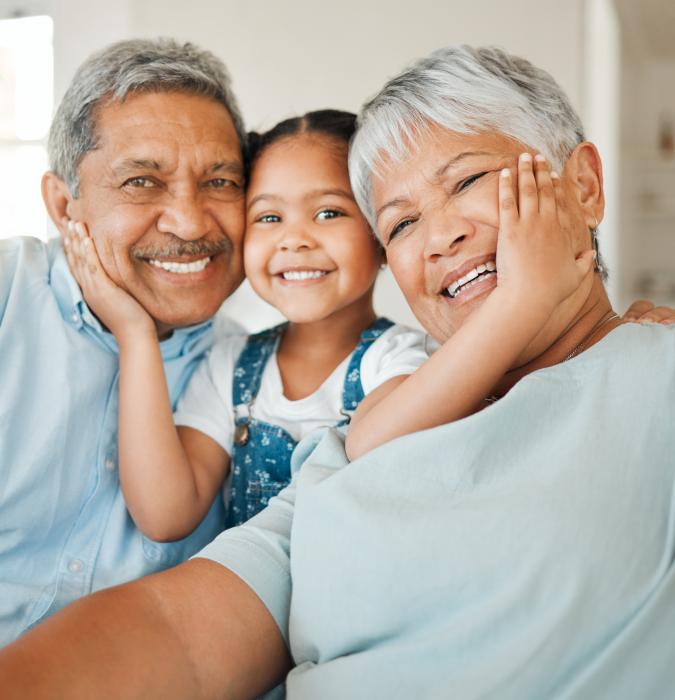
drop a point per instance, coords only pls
(114, 307)
(535, 250)
(644, 311)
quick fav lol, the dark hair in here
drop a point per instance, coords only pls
(333, 123)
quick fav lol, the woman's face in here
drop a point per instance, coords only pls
(437, 217)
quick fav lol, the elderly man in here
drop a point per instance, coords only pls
(147, 149)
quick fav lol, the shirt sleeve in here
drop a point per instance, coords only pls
(206, 403)
(399, 350)
(259, 553)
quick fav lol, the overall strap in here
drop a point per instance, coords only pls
(352, 391)
(251, 364)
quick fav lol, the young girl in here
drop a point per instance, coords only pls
(309, 252)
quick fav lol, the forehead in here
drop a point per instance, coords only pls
(178, 123)
(299, 161)
(433, 152)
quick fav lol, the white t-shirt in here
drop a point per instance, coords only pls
(206, 404)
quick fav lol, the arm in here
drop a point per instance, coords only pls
(457, 378)
(169, 477)
(196, 631)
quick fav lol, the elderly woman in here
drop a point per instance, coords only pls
(523, 552)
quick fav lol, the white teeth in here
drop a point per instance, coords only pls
(471, 277)
(299, 275)
(181, 268)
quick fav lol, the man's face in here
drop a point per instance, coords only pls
(162, 195)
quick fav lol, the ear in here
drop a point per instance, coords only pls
(584, 172)
(58, 200)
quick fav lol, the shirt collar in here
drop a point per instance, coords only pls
(76, 313)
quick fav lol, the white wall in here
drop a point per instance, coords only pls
(648, 179)
(298, 55)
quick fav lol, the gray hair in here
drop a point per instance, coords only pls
(466, 90)
(123, 68)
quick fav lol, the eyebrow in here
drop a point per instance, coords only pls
(437, 175)
(229, 166)
(136, 164)
(312, 194)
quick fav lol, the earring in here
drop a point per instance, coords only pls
(599, 267)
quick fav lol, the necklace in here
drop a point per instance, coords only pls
(579, 347)
(609, 316)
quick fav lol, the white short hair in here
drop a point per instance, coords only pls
(466, 90)
(125, 68)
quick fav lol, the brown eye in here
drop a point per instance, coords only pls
(138, 182)
(325, 214)
(465, 184)
(399, 227)
(222, 183)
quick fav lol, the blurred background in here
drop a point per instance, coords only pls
(615, 59)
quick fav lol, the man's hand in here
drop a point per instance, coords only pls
(114, 307)
(643, 311)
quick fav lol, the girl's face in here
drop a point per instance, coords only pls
(308, 250)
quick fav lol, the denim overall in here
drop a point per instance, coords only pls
(261, 456)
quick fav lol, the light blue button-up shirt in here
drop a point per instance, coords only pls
(64, 527)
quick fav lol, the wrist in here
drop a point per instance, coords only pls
(135, 334)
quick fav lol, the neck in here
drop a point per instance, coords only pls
(337, 334)
(588, 325)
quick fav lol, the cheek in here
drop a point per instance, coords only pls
(482, 203)
(407, 267)
(233, 222)
(256, 254)
(362, 262)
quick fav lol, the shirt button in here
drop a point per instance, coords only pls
(74, 317)
(110, 464)
(75, 566)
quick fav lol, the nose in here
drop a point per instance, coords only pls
(295, 238)
(186, 217)
(445, 234)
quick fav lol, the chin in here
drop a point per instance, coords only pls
(178, 318)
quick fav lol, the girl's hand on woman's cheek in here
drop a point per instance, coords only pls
(535, 250)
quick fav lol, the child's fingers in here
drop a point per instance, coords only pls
(89, 257)
(73, 251)
(508, 211)
(528, 196)
(542, 174)
(73, 261)
(558, 193)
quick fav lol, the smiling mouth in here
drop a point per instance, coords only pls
(181, 268)
(302, 275)
(470, 279)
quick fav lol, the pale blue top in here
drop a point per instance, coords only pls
(525, 552)
(64, 527)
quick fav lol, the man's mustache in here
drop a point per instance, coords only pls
(178, 248)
